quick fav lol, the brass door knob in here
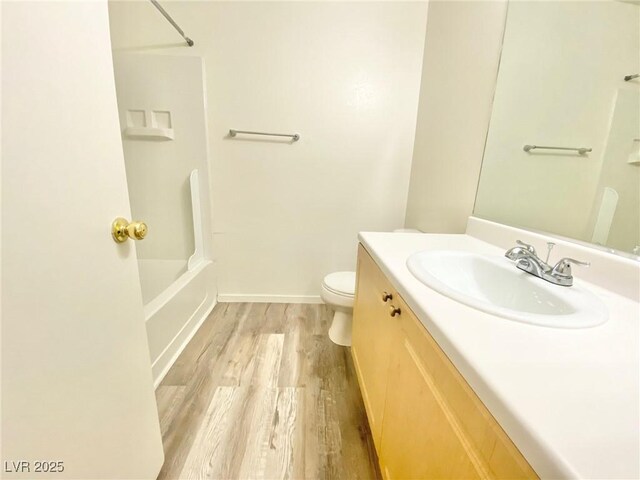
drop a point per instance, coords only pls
(393, 311)
(121, 230)
(386, 296)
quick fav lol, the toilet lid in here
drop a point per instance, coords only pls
(343, 283)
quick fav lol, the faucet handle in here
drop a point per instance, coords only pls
(563, 267)
(526, 246)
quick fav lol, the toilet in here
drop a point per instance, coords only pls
(338, 290)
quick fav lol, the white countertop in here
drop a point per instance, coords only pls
(569, 399)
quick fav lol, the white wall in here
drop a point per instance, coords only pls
(461, 56)
(343, 75)
(562, 65)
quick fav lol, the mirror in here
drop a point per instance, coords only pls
(561, 86)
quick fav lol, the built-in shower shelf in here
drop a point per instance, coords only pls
(149, 124)
(150, 133)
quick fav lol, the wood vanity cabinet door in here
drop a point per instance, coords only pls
(371, 339)
(434, 426)
(420, 439)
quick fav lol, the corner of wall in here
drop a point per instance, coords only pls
(450, 136)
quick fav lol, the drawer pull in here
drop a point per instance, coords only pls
(393, 311)
(386, 296)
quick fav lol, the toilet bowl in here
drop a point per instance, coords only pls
(338, 290)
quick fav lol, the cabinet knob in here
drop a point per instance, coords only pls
(393, 311)
(386, 296)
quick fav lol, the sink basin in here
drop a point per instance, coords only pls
(494, 285)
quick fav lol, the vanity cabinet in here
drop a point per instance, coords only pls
(426, 421)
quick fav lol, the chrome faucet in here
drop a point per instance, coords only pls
(526, 259)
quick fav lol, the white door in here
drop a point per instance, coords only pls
(76, 376)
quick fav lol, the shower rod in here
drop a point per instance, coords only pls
(171, 21)
(631, 77)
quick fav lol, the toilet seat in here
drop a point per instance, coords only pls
(341, 283)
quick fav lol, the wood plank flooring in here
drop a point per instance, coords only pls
(261, 392)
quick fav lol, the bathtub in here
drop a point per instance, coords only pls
(175, 314)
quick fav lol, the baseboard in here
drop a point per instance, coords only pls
(238, 298)
(171, 353)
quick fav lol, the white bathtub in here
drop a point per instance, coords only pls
(174, 315)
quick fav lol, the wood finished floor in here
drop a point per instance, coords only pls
(261, 392)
